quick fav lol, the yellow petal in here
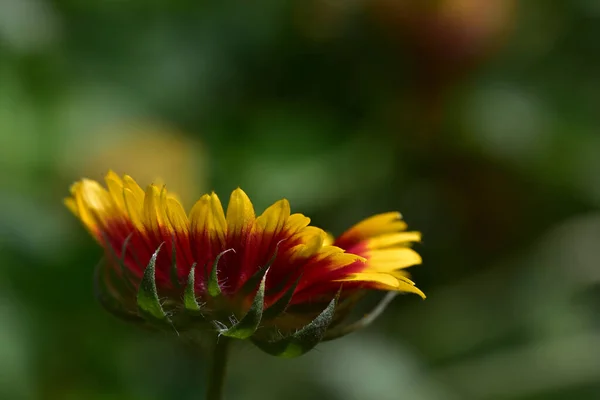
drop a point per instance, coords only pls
(310, 234)
(240, 213)
(75, 187)
(133, 197)
(274, 218)
(115, 188)
(392, 239)
(329, 250)
(207, 217)
(135, 189)
(402, 274)
(392, 259)
(378, 225)
(312, 242)
(385, 281)
(152, 214)
(71, 205)
(340, 259)
(329, 239)
(336, 257)
(133, 208)
(176, 215)
(77, 204)
(401, 277)
(93, 203)
(296, 222)
(219, 214)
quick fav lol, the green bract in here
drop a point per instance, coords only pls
(181, 310)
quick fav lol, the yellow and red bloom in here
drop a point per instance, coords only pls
(273, 278)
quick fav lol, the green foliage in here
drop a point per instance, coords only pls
(147, 297)
(248, 324)
(304, 339)
(213, 285)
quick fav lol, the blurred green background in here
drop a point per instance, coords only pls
(477, 119)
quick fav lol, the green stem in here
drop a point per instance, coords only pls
(216, 375)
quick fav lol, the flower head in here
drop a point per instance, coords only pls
(271, 278)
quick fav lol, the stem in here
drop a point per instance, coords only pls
(216, 375)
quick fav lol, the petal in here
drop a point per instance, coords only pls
(94, 204)
(402, 276)
(384, 282)
(329, 239)
(311, 243)
(296, 223)
(329, 265)
(153, 213)
(393, 239)
(339, 259)
(392, 259)
(136, 190)
(71, 205)
(240, 214)
(274, 218)
(134, 207)
(372, 226)
(208, 219)
(311, 234)
(219, 215)
(177, 216)
(262, 241)
(115, 188)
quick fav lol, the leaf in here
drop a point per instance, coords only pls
(147, 297)
(189, 295)
(302, 340)
(249, 322)
(212, 286)
(341, 331)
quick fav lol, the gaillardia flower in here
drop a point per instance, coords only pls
(273, 279)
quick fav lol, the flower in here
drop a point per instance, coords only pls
(273, 279)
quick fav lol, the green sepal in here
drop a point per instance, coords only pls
(147, 296)
(121, 260)
(212, 286)
(341, 331)
(281, 305)
(248, 324)
(108, 298)
(173, 271)
(189, 295)
(302, 340)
